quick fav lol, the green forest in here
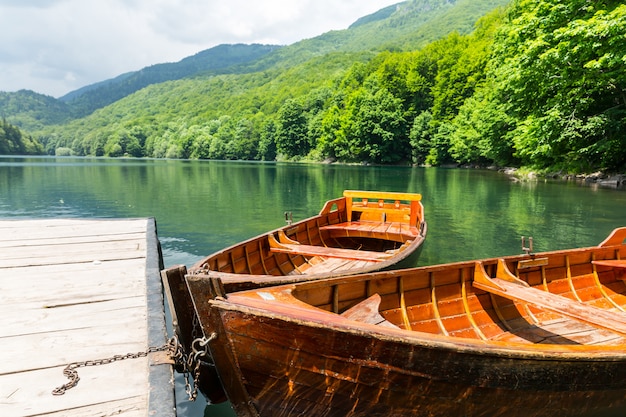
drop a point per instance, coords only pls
(14, 142)
(534, 83)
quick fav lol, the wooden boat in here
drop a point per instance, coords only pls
(531, 335)
(363, 231)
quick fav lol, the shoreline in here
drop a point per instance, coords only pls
(600, 179)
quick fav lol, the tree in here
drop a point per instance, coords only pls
(375, 128)
(292, 130)
(420, 137)
(559, 70)
(267, 143)
(14, 142)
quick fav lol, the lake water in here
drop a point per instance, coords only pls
(203, 206)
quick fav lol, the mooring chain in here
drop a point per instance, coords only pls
(199, 351)
(190, 363)
(172, 345)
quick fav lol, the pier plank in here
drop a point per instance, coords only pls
(74, 290)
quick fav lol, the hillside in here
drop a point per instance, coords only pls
(407, 25)
(537, 84)
(14, 142)
(217, 60)
(32, 111)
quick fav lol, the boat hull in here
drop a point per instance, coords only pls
(359, 233)
(286, 374)
(443, 340)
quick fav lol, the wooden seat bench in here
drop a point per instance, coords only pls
(312, 250)
(509, 286)
(372, 229)
(379, 215)
(613, 263)
(367, 312)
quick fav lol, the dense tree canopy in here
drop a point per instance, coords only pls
(14, 142)
(555, 96)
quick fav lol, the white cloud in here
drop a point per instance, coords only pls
(56, 46)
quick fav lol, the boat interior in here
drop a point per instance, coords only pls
(566, 297)
(350, 233)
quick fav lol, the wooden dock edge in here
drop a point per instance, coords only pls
(161, 400)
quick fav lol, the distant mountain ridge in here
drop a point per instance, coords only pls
(219, 59)
(28, 109)
(407, 25)
(379, 15)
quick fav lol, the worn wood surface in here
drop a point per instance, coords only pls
(70, 291)
(521, 336)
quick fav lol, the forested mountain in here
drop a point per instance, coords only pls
(217, 60)
(14, 142)
(147, 122)
(537, 83)
(32, 111)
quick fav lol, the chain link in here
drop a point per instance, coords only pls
(172, 345)
(190, 363)
(193, 363)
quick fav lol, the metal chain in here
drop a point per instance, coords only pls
(172, 345)
(193, 362)
(190, 363)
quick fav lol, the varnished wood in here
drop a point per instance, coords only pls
(294, 247)
(520, 291)
(348, 236)
(613, 263)
(367, 312)
(484, 341)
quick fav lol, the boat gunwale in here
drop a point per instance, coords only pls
(309, 315)
(548, 352)
(410, 250)
(510, 350)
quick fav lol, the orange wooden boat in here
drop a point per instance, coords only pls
(363, 231)
(530, 335)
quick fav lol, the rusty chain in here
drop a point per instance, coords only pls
(172, 346)
(190, 363)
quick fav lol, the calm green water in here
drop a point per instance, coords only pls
(203, 206)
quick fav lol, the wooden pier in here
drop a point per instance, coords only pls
(75, 290)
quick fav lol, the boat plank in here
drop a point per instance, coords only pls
(613, 263)
(372, 229)
(367, 312)
(331, 265)
(330, 252)
(606, 319)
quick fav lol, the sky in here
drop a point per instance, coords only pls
(57, 46)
